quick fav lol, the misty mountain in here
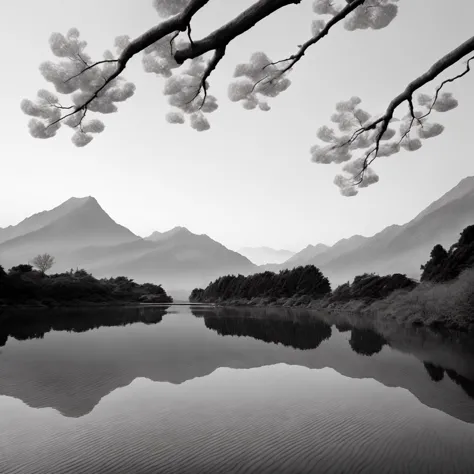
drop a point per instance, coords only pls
(179, 260)
(404, 248)
(70, 226)
(265, 255)
(41, 219)
(320, 252)
(306, 254)
(157, 236)
(397, 248)
(154, 236)
(79, 233)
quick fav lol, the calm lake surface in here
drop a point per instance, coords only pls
(207, 390)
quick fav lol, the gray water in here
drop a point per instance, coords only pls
(206, 390)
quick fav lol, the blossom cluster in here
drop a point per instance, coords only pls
(358, 132)
(257, 81)
(185, 90)
(73, 76)
(373, 14)
(167, 8)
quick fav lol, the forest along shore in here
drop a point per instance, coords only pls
(444, 297)
(22, 286)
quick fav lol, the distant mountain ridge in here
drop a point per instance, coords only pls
(79, 233)
(265, 255)
(398, 248)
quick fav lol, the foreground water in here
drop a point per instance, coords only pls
(204, 390)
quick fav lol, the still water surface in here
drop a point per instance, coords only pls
(205, 390)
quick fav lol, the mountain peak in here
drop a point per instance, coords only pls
(157, 236)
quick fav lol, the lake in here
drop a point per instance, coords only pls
(185, 389)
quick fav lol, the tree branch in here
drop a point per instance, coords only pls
(349, 8)
(239, 25)
(451, 79)
(90, 67)
(177, 23)
(218, 55)
(407, 95)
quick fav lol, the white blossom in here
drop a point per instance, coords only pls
(430, 130)
(317, 26)
(121, 42)
(424, 100)
(167, 8)
(93, 126)
(338, 145)
(73, 76)
(445, 102)
(81, 139)
(257, 78)
(411, 144)
(388, 149)
(39, 129)
(374, 14)
(326, 134)
(330, 154)
(175, 117)
(324, 7)
(369, 177)
(345, 186)
(388, 134)
(199, 122)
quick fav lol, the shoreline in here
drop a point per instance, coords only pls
(387, 309)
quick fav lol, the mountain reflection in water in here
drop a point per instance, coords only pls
(201, 389)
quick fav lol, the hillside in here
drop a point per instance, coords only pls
(397, 248)
(306, 254)
(65, 231)
(41, 219)
(404, 248)
(178, 260)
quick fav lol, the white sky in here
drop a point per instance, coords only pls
(248, 180)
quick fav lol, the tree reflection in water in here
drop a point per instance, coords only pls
(34, 324)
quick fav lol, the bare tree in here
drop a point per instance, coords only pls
(357, 138)
(43, 262)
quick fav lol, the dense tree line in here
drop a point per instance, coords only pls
(23, 285)
(303, 284)
(300, 281)
(306, 283)
(445, 265)
(372, 287)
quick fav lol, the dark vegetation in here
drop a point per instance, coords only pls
(299, 334)
(302, 285)
(25, 286)
(369, 287)
(23, 324)
(301, 281)
(445, 265)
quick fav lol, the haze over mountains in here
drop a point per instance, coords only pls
(79, 233)
(397, 248)
(263, 255)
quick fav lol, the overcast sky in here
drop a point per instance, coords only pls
(248, 180)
